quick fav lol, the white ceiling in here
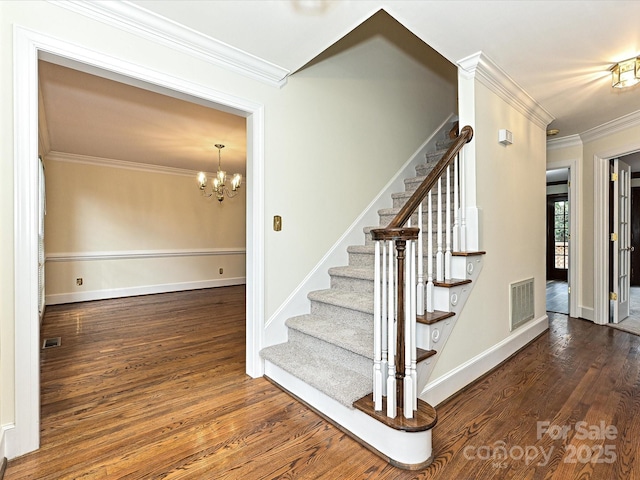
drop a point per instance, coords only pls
(96, 117)
(559, 52)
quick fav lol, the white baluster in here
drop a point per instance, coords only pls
(463, 204)
(407, 402)
(412, 319)
(391, 376)
(420, 281)
(439, 252)
(447, 253)
(377, 333)
(456, 206)
(383, 327)
(429, 290)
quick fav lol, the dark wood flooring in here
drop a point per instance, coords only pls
(154, 387)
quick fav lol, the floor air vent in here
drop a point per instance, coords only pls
(522, 301)
(52, 342)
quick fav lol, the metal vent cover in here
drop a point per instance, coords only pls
(521, 302)
(52, 342)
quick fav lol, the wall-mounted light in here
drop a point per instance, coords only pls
(626, 74)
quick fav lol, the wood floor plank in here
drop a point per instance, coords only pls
(154, 387)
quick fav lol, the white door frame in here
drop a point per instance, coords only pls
(574, 265)
(601, 264)
(24, 435)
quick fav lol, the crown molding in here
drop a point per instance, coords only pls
(139, 21)
(564, 142)
(493, 77)
(111, 163)
(609, 128)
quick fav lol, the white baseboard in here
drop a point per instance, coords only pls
(452, 382)
(5, 440)
(74, 297)
(587, 313)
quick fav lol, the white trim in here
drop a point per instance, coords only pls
(123, 164)
(600, 240)
(493, 77)
(297, 302)
(143, 23)
(28, 45)
(450, 383)
(601, 229)
(575, 268)
(59, 298)
(139, 254)
(564, 142)
(609, 128)
(586, 313)
(6, 432)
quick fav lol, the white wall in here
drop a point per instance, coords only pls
(129, 231)
(510, 196)
(333, 136)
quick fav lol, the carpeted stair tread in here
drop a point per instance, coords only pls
(354, 336)
(349, 300)
(334, 379)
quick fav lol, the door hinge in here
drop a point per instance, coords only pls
(614, 177)
(613, 296)
(569, 290)
(614, 237)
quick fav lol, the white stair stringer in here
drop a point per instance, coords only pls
(435, 336)
(402, 448)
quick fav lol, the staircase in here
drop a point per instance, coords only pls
(335, 359)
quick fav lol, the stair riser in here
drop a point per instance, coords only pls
(358, 363)
(411, 184)
(365, 260)
(329, 310)
(351, 284)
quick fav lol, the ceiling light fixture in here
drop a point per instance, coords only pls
(626, 74)
(218, 187)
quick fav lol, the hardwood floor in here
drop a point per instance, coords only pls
(154, 387)
(557, 296)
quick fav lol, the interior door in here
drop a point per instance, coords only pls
(621, 240)
(557, 236)
(635, 236)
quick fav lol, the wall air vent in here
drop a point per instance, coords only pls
(522, 303)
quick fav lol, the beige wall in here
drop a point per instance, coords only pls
(511, 199)
(334, 135)
(159, 228)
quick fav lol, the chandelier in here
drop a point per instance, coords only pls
(218, 185)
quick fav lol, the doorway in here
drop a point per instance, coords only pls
(29, 47)
(558, 237)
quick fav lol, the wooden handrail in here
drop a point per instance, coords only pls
(466, 134)
(398, 234)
